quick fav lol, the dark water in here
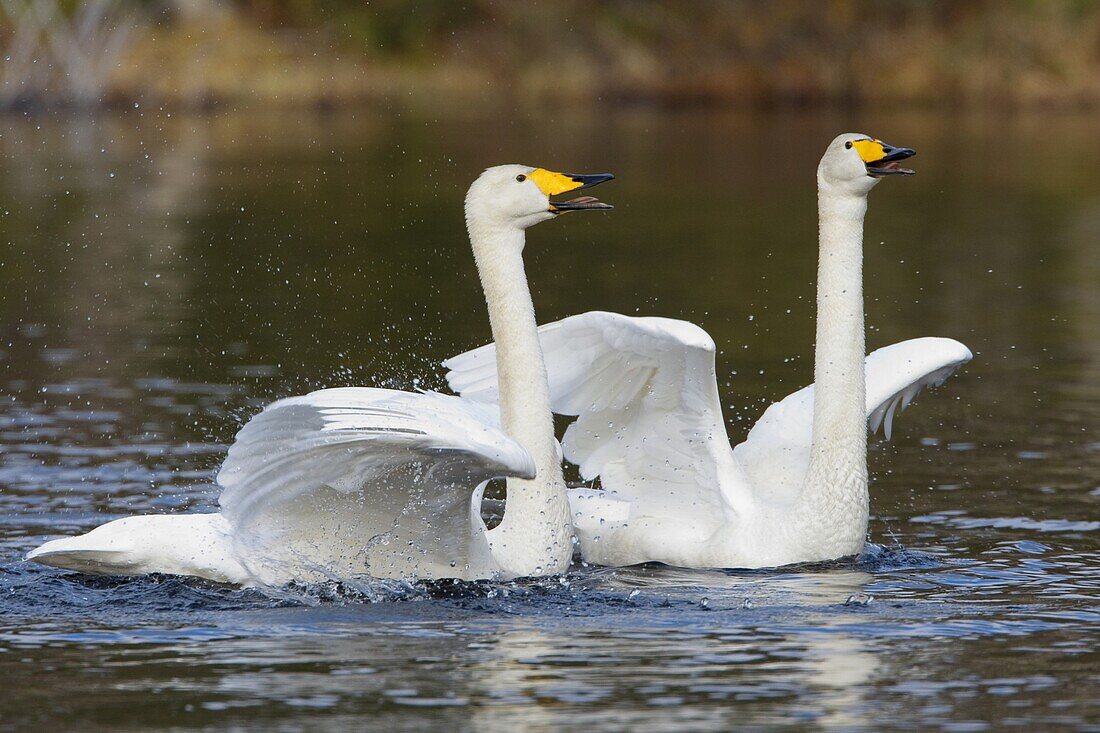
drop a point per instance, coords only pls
(163, 277)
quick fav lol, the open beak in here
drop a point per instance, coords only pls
(581, 203)
(882, 158)
(584, 202)
(553, 184)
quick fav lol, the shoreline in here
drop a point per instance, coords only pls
(697, 57)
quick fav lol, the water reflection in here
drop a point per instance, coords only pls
(535, 671)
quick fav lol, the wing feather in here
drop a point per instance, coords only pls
(776, 453)
(365, 481)
(649, 417)
(649, 420)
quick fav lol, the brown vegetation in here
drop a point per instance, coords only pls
(737, 52)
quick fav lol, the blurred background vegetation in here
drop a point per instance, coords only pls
(198, 53)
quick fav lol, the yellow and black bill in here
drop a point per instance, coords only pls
(882, 158)
(553, 184)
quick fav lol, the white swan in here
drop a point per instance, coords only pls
(356, 481)
(650, 419)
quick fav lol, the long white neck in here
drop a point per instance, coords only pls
(835, 496)
(535, 536)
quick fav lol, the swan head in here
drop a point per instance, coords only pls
(519, 196)
(854, 163)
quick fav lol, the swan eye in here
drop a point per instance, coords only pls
(848, 145)
(521, 178)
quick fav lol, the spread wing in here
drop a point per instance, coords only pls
(649, 421)
(359, 481)
(649, 418)
(776, 453)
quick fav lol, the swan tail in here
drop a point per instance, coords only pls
(187, 544)
(77, 553)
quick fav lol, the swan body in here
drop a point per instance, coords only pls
(361, 481)
(649, 418)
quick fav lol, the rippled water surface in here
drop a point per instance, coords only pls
(163, 277)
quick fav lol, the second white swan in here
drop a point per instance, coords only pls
(649, 419)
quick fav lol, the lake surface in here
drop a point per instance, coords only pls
(163, 277)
